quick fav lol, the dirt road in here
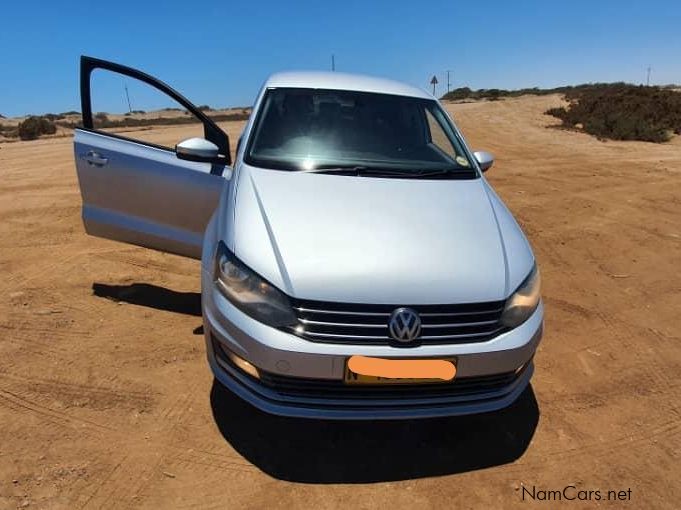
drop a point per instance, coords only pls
(106, 399)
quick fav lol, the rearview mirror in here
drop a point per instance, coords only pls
(484, 159)
(198, 149)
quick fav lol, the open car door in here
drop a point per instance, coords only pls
(141, 192)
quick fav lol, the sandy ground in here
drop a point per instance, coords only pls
(106, 399)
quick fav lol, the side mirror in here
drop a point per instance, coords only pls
(484, 159)
(198, 149)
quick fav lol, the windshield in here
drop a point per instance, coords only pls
(308, 129)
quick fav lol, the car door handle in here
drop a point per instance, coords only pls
(94, 158)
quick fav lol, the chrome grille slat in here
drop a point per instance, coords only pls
(340, 312)
(444, 325)
(468, 335)
(335, 335)
(387, 314)
(453, 314)
(367, 324)
(321, 323)
(458, 324)
(423, 337)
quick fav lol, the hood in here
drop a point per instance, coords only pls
(372, 240)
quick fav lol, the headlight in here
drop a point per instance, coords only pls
(523, 302)
(249, 292)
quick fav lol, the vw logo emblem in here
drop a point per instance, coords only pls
(404, 325)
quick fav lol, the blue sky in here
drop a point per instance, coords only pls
(220, 52)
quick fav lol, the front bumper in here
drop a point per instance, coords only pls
(304, 379)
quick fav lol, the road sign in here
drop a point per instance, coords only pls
(433, 82)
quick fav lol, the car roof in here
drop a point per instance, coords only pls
(343, 81)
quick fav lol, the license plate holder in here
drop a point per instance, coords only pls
(382, 371)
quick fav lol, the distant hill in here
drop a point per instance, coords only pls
(35, 126)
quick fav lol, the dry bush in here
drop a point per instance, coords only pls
(34, 126)
(496, 94)
(620, 111)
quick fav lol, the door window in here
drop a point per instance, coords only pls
(133, 109)
(439, 137)
(129, 104)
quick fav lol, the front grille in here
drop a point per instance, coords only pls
(349, 323)
(337, 389)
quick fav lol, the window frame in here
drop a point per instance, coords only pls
(445, 122)
(210, 129)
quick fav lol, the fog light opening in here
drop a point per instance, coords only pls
(243, 365)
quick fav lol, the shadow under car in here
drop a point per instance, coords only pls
(329, 451)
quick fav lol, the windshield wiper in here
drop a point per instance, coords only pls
(356, 170)
(454, 173)
(388, 172)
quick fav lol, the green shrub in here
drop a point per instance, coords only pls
(621, 111)
(559, 112)
(458, 94)
(33, 127)
(495, 94)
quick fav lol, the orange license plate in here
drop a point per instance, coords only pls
(367, 370)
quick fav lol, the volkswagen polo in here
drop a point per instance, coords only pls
(355, 262)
